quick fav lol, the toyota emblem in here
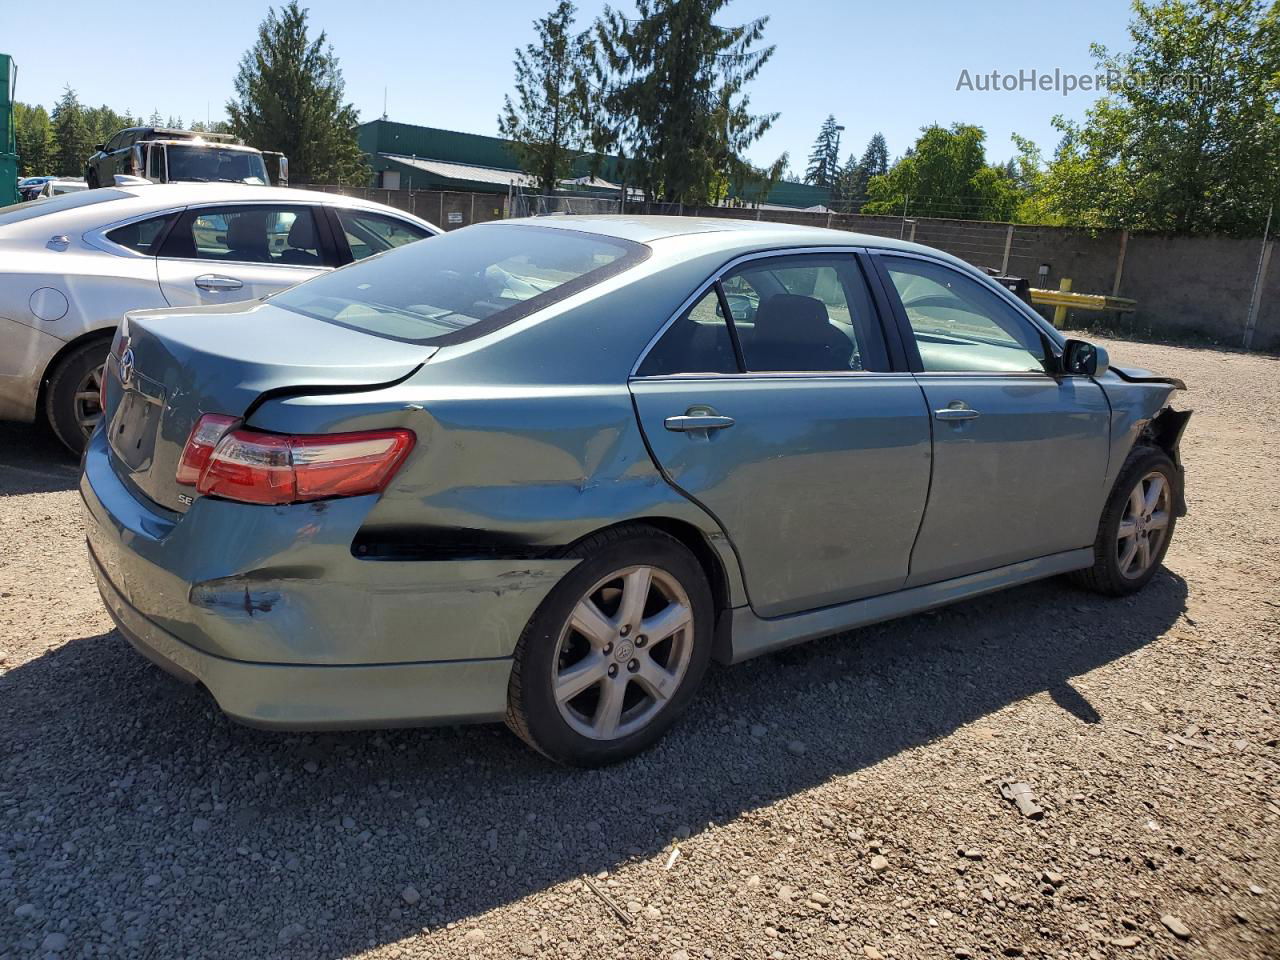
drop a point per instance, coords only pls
(126, 366)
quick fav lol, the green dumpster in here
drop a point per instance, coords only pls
(8, 144)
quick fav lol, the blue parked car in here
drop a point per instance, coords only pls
(546, 470)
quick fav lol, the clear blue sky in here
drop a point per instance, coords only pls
(891, 67)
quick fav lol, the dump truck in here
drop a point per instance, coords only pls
(164, 155)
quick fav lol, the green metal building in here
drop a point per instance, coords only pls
(408, 157)
(8, 142)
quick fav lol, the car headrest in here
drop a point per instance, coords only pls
(247, 231)
(787, 315)
(302, 235)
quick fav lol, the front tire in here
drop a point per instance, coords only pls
(91, 178)
(1136, 526)
(71, 398)
(616, 651)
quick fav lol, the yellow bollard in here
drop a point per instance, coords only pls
(1060, 313)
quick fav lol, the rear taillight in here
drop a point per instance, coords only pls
(204, 437)
(271, 468)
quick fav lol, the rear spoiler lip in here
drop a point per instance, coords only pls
(1137, 375)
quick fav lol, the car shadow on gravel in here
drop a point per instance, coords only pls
(130, 805)
(33, 461)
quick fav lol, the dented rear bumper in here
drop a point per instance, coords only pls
(269, 608)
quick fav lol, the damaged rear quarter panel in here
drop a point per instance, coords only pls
(503, 473)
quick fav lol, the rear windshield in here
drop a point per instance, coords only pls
(463, 284)
(64, 201)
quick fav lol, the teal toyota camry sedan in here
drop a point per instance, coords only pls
(545, 471)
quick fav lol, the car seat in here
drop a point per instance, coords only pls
(247, 238)
(793, 332)
(301, 248)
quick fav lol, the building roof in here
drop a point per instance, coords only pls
(470, 172)
(490, 163)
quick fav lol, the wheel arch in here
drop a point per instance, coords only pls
(722, 573)
(99, 333)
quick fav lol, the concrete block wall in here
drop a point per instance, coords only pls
(1193, 287)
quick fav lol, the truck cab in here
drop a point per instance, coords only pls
(167, 156)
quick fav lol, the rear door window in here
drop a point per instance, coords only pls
(369, 233)
(269, 234)
(805, 313)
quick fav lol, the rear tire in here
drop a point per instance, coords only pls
(604, 632)
(1136, 526)
(71, 397)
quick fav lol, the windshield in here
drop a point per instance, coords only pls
(65, 201)
(212, 163)
(463, 284)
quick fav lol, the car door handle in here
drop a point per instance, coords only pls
(216, 284)
(698, 421)
(956, 413)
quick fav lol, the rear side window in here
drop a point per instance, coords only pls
(462, 284)
(698, 342)
(809, 313)
(257, 234)
(142, 235)
(370, 233)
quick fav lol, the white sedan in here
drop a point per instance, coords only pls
(71, 265)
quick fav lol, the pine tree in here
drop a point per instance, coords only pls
(548, 122)
(73, 137)
(824, 159)
(672, 98)
(845, 187)
(852, 182)
(289, 97)
(34, 135)
(104, 123)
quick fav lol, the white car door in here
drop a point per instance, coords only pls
(222, 253)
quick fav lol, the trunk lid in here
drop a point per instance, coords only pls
(182, 364)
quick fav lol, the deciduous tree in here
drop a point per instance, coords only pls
(944, 175)
(1188, 141)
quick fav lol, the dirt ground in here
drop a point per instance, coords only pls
(838, 800)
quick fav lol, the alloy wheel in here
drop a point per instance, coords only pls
(624, 652)
(88, 399)
(1144, 525)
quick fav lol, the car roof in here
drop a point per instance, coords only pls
(730, 234)
(139, 200)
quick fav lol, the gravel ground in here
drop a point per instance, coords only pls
(838, 800)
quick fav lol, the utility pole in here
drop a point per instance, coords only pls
(1264, 255)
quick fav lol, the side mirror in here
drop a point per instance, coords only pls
(283, 176)
(1080, 358)
(100, 147)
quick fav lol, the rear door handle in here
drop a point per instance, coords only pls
(698, 421)
(216, 284)
(956, 413)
